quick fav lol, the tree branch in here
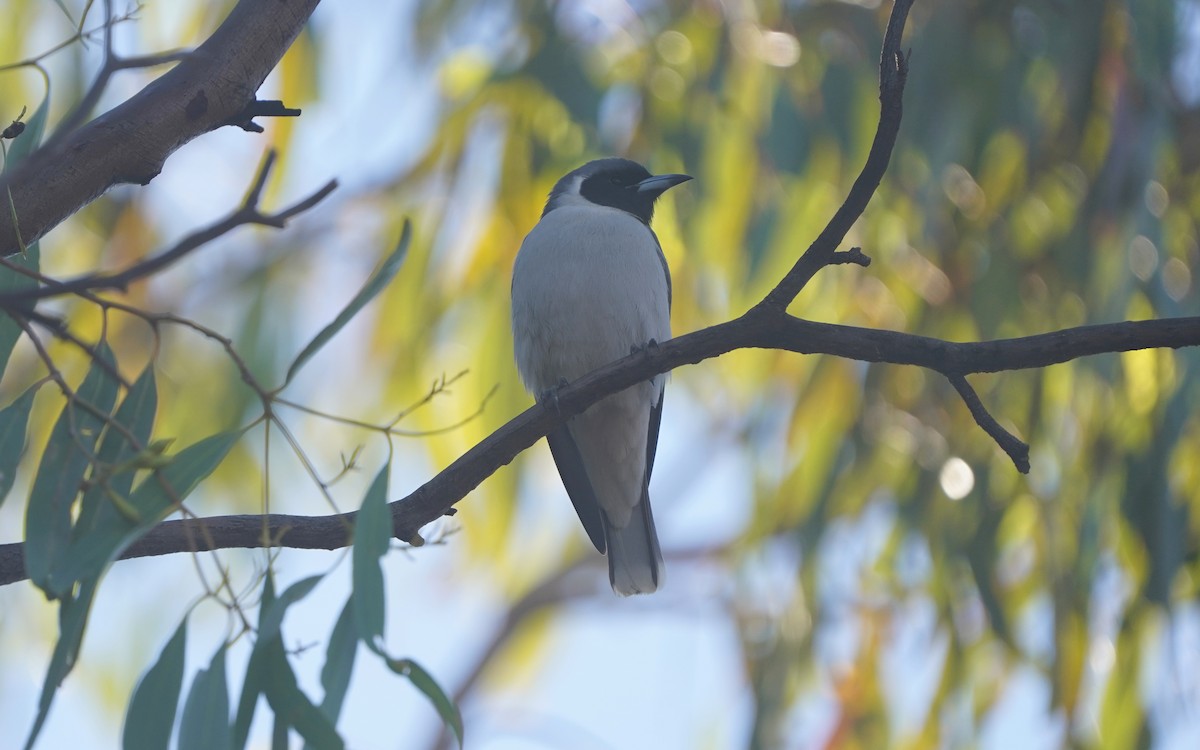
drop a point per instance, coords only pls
(766, 326)
(130, 143)
(1016, 448)
(893, 73)
(760, 328)
(260, 108)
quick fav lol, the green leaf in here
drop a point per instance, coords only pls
(205, 722)
(67, 457)
(13, 420)
(270, 674)
(116, 456)
(72, 619)
(424, 682)
(272, 613)
(151, 501)
(74, 609)
(256, 670)
(291, 705)
(339, 662)
(11, 281)
(151, 713)
(381, 277)
(279, 734)
(372, 535)
(252, 687)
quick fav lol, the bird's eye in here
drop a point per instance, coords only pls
(616, 180)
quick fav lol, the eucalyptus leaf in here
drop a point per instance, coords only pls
(72, 620)
(270, 674)
(339, 662)
(372, 535)
(13, 420)
(152, 501)
(429, 687)
(381, 277)
(272, 617)
(205, 722)
(292, 706)
(11, 281)
(256, 670)
(116, 456)
(69, 453)
(151, 713)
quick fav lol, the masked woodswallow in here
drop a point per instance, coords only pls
(590, 286)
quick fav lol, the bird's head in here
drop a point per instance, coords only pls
(616, 183)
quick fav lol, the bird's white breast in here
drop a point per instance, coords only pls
(588, 285)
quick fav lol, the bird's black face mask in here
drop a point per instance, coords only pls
(630, 188)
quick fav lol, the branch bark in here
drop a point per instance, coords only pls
(211, 87)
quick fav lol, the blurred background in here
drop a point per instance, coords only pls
(852, 562)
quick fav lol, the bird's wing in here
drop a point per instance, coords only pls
(645, 548)
(656, 410)
(652, 434)
(662, 258)
(635, 564)
(575, 479)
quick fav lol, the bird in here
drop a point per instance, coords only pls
(591, 285)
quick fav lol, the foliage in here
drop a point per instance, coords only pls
(1045, 177)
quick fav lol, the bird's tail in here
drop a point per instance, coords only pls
(635, 564)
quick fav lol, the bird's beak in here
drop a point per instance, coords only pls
(660, 183)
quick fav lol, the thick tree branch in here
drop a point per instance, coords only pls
(208, 88)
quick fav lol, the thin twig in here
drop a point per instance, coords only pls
(1016, 449)
(853, 256)
(389, 427)
(63, 333)
(78, 36)
(113, 63)
(247, 213)
(96, 90)
(260, 108)
(73, 398)
(893, 72)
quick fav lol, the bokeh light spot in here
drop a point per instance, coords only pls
(956, 478)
